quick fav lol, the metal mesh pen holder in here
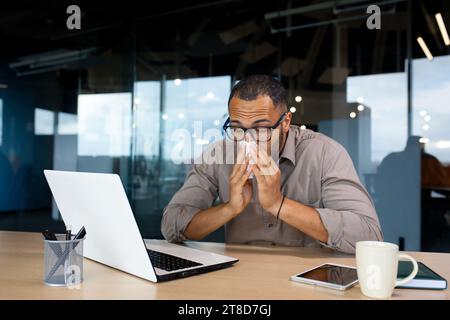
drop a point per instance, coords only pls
(63, 261)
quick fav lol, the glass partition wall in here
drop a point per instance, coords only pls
(143, 96)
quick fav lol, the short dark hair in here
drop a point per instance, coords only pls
(252, 87)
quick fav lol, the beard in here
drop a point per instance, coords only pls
(277, 145)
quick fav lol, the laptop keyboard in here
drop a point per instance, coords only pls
(168, 262)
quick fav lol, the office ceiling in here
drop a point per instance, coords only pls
(200, 38)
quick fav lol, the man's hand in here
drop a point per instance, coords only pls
(268, 176)
(241, 189)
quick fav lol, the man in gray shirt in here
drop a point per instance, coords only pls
(311, 196)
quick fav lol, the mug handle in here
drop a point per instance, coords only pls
(413, 273)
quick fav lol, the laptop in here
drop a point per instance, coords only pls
(98, 202)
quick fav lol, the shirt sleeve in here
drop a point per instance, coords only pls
(348, 213)
(198, 193)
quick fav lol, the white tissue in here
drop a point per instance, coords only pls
(249, 146)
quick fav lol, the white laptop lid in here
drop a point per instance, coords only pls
(98, 202)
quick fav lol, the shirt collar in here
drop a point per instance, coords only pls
(288, 151)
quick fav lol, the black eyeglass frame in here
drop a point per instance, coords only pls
(226, 126)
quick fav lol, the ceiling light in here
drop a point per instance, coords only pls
(165, 116)
(352, 115)
(422, 113)
(360, 99)
(293, 109)
(49, 61)
(177, 82)
(298, 98)
(303, 127)
(425, 127)
(425, 48)
(441, 25)
(360, 107)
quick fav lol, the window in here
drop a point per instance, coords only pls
(386, 96)
(197, 106)
(104, 124)
(431, 112)
(67, 123)
(44, 122)
(147, 106)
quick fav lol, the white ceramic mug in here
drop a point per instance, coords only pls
(377, 264)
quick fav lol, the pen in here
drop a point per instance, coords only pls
(80, 235)
(68, 232)
(48, 235)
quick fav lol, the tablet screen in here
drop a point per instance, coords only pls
(331, 274)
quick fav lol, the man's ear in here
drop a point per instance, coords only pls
(287, 122)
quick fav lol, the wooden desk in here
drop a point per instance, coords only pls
(261, 273)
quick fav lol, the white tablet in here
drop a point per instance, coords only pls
(329, 275)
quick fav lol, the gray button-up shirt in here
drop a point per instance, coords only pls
(315, 171)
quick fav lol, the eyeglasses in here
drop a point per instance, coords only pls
(259, 134)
